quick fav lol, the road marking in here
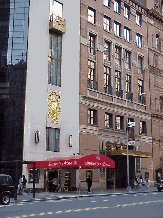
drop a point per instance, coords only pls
(93, 201)
(105, 200)
(85, 209)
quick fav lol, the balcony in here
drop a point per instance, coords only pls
(142, 99)
(92, 84)
(57, 24)
(119, 93)
(129, 96)
(108, 90)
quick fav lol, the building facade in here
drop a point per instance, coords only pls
(71, 83)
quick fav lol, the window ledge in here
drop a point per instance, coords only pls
(94, 24)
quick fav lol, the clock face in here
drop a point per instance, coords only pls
(54, 106)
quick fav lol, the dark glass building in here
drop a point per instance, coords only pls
(13, 64)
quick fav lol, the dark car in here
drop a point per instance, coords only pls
(6, 189)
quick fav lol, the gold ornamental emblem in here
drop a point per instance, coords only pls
(54, 105)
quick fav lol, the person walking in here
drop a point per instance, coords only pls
(89, 184)
(147, 183)
(136, 184)
(55, 184)
(24, 181)
(142, 182)
(20, 186)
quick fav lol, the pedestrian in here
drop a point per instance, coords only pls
(142, 182)
(24, 181)
(20, 186)
(136, 184)
(89, 184)
(55, 184)
(147, 183)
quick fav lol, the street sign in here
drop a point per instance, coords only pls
(131, 142)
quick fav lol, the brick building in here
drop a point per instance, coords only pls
(121, 77)
(113, 75)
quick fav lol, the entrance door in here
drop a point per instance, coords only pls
(52, 174)
(111, 178)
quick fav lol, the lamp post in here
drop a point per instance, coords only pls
(128, 187)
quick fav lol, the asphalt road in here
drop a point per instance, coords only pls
(145, 205)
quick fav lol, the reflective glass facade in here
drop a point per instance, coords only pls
(14, 18)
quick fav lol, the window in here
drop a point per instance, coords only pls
(92, 116)
(107, 80)
(91, 44)
(102, 146)
(108, 120)
(117, 81)
(140, 86)
(117, 55)
(128, 60)
(117, 6)
(127, 34)
(106, 3)
(142, 129)
(56, 8)
(140, 64)
(119, 122)
(30, 175)
(54, 59)
(107, 51)
(106, 21)
(139, 40)
(158, 42)
(138, 18)
(91, 15)
(117, 29)
(128, 84)
(126, 12)
(91, 75)
(52, 139)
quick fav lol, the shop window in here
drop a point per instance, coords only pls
(30, 175)
(89, 173)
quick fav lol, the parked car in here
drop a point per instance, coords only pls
(159, 185)
(6, 189)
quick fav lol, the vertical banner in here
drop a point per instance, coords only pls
(131, 133)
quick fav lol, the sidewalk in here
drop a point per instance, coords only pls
(45, 196)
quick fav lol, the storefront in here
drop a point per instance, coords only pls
(65, 169)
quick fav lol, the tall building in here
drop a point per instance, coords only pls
(71, 82)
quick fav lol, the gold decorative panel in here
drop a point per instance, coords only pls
(54, 105)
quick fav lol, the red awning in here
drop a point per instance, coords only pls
(83, 161)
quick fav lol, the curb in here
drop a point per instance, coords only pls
(79, 196)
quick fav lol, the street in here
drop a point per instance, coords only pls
(146, 205)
